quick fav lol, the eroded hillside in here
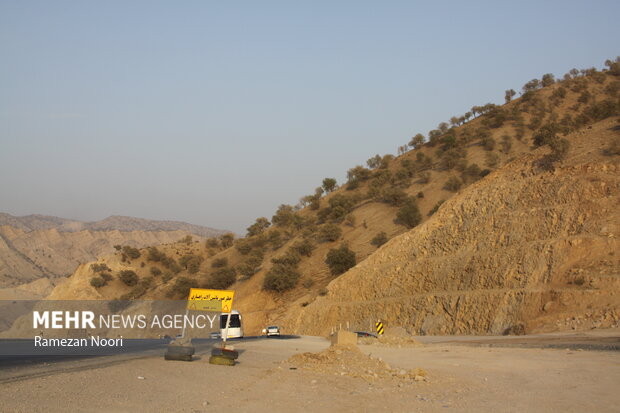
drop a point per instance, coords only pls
(523, 247)
(39, 246)
(505, 205)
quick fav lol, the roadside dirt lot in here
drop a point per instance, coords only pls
(458, 378)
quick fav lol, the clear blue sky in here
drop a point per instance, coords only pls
(216, 112)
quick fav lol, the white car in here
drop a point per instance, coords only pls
(271, 331)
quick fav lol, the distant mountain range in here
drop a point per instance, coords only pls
(36, 246)
(115, 222)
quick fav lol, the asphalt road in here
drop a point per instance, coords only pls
(20, 359)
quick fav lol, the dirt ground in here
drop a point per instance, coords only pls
(456, 378)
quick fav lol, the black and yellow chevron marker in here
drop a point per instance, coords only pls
(379, 326)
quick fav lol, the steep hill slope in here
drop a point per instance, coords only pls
(279, 269)
(521, 247)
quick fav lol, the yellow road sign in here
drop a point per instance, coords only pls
(379, 327)
(210, 300)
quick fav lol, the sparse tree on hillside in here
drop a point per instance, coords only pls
(284, 216)
(219, 262)
(433, 137)
(409, 213)
(488, 142)
(374, 162)
(329, 233)
(329, 184)
(546, 134)
(97, 282)
(531, 85)
(453, 184)
(379, 239)
(510, 93)
(548, 79)
(222, 278)
(227, 240)
(613, 66)
(340, 260)
(304, 247)
(128, 277)
(258, 227)
(417, 141)
(443, 127)
(131, 252)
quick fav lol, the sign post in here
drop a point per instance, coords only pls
(202, 299)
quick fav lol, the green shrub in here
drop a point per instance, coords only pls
(97, 282)
(222, 278)
(139, 290)
(244, 246)
(409, 214)
(453, 184)
(212, 243)
(304, 247)
(329, 233)
(281, 278)
(248, 268)
(153, 254)
(167, 276)
(329, 184)
(258, 227)
(340, 260)
(128, 277)
(379, 239)
(276, 239)
(219, 262)
(131, 252)
(106, 276)
(488, 143)
(191, 262)
(393, 196)
(559, 149)
(181, 287)
(96, 267)
(226, 240)
(186, 239)
(284, 216)
(291, 258)
(155, 271)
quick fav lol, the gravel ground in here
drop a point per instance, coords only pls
(457, 378)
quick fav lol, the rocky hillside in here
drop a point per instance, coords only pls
(488, 165)
(524, 249)
(39, 246)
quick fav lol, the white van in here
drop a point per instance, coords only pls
(235, 329)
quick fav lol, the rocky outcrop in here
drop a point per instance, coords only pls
(523, 247)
